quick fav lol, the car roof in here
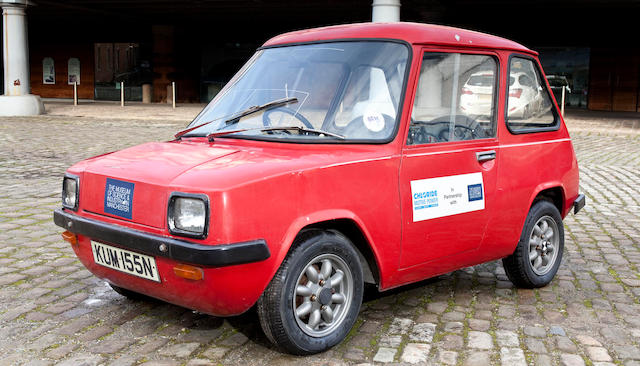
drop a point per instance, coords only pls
(413, 33)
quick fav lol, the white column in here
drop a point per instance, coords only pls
(385, 11)
(15, 50)
(16, 100)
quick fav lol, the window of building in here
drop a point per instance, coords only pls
(569, 67)
(48, 71)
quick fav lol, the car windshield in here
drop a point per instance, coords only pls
(350, 90)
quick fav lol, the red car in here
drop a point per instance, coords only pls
(335, 157)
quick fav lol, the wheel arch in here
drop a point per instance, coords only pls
(352, 231)
(553, 193)
(348, 225)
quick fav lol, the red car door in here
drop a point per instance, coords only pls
(448, 170)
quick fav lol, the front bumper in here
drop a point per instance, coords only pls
(155, 245)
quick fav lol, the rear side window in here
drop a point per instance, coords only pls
(529, 106)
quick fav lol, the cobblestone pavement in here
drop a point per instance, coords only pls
(53, 311)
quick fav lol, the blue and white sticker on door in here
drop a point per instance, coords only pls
(446, 196)
(118, 198)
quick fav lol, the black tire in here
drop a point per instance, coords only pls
(276, 305)
(518, 266)
(131, 295)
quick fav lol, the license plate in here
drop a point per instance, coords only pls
(126, 261)
(486, 98)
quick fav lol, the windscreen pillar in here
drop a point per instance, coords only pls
(17, 100)
(384, 11)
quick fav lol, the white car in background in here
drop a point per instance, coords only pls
(477, 94)
(525, 100)
(476, 97)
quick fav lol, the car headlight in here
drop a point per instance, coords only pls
(188, 214)
(70, 192)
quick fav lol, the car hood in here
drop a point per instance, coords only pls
(148, 170)
(260, 161)
(156, 169)
(155, 162)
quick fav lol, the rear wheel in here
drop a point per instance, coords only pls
(537, 257)
(314, 299)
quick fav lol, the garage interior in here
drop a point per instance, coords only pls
(200, 44)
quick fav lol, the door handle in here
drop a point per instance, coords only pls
(484, 156)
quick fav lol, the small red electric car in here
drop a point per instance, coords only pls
(377, 153)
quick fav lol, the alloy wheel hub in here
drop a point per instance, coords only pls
(322, 295)
(542, 245)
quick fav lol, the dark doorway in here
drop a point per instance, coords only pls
(115, 63)
(614, 78)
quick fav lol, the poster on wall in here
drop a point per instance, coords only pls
(48, 71)
(73, 71)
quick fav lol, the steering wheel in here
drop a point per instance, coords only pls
(460, 132)
(465, 128)
(418, 136)
(266, 121)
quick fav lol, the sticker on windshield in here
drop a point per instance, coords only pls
(373, 121)
(446, 196)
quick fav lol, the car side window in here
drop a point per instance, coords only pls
(529, 106)
(455, 98)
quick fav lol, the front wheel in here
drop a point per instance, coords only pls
(314, 299)
(537, 257)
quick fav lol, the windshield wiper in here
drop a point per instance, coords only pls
(258, 108)
(186, 131)
(305, 129)
(246, 112)
(212, 135)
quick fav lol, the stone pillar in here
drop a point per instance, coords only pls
(17, 100)
(146, 93)
(163, 61)
(385, 11)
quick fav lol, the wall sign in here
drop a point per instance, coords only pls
(73, 71)
(48, 71)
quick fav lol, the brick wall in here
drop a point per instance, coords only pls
(61, 55)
